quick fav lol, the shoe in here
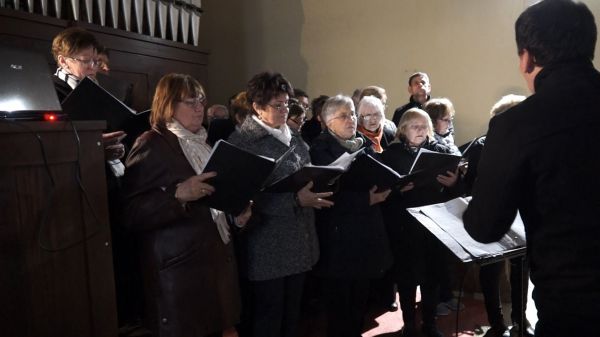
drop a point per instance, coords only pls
(453, 304)
(528, 332)
(442, 309)
(393, 307)
(431, 331)
(497, 331)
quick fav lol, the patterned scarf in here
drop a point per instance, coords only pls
(71, 80)
(374, 136)
(197, 152)
(353, 144)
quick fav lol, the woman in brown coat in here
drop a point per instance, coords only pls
(188, 265)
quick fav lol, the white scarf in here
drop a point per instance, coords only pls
(282, 133)
(197, 152)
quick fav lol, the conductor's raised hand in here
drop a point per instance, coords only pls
(377, 197)
(449, 179)
(195, 187)
(306, 198)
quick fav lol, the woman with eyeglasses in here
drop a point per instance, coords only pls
(417, 254)
(75, 52)
(370, 123)
(189, 268)
(279, 244)
(354, 244)
(441, 111)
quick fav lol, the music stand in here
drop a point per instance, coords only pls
(444, 221)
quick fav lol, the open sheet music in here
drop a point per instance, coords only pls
(444, 220)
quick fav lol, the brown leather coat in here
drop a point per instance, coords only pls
(190, 275)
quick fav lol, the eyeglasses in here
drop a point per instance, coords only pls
(298, 121)
(417, 127)
(279, 106)
(447, 120)
(371, 117)
(306, 107)
(89, 63)
(195, 103)
(345, 117)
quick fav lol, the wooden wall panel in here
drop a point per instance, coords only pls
(55, 243)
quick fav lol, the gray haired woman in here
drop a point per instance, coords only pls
(354, 244)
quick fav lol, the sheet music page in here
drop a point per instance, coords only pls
(448, 216)
(441, 235)
(345, 159)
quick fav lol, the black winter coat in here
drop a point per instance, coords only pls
(415, 250)
(352, 236)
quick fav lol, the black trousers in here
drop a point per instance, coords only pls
(346, 306)
(275, 306)
(489, 278)
(573, 314)
(418, 261)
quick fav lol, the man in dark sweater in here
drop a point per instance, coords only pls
(419, 89)
(541, 158)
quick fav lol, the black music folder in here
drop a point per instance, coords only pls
(89, 101)
(429, 164)
(323, 177)
(444, 221)
(240, 175)
(467, 146)
(366, 172)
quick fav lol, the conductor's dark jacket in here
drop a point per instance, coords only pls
(541, 158)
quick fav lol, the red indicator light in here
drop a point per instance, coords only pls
(49, 117)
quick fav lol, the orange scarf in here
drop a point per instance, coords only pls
(374, 136)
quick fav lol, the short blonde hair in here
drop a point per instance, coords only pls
(409, 116)
(171, 89)
(505, 103)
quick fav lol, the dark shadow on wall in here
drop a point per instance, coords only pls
(222, 34)
(273, 35)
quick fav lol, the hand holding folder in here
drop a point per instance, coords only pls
(429, 164)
